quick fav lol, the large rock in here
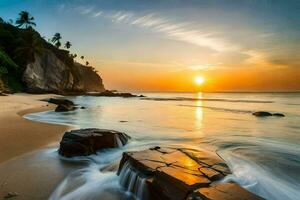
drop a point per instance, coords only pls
(178, 174)
(84, 142)
(63, 105)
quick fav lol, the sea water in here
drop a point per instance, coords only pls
(263, 153)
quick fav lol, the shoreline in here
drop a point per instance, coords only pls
(27, 150)
(20, 136)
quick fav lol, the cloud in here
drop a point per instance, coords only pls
(180, 31)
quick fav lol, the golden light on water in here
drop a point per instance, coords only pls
(199, 80)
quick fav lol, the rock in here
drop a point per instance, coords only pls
(64, 108)
(123, 121)
(63, 105)
(222, 191)
(11, 195)
(84, 142)
(2, 94)
(161, 173)
(60, 101)
(82, 107)
(278, 115)
(262, 114)
(267, 114)
(109, 93)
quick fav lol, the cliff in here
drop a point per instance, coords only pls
(49, 74)
(29, 63)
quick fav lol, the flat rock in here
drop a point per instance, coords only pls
(223, 191)
(178, 174)
(84, 142)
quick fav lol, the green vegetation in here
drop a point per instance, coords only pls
(20, 43)
(68, 45)
(56, 39)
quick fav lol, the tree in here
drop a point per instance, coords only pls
(56, 39)
(82, 57)
(1, 20)
(75, 55)
(87, 63)
(25, 20)
(68, 44)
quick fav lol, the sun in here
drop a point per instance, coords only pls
(199, 80)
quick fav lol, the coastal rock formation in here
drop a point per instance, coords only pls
(178, 174)
(267, 114)
(63, 105)
(84, 142)
(48, 74)
(109, 93)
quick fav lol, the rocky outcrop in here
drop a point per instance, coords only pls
(84, 142)
(48, 74)
(63, 105)
(109, 93)
(178, 174)
(267, 114)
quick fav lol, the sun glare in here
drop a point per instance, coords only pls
(199, 80)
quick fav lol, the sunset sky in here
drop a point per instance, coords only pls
(162, 45)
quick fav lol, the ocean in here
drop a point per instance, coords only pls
(263, 153)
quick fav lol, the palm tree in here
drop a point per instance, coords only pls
(25, 20)
(87, 63)
(68, 44)
(56, 39)
(58, 44)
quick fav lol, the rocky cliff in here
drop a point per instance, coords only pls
(50, 74)
(29, 63)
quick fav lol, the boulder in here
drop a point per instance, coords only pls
(64, 108)
(262, 114)
(178, 174)
(63, 105)
(60, 101)
(84, 142)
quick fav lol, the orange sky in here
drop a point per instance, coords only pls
(161, 46)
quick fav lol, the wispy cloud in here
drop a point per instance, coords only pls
(181, 31)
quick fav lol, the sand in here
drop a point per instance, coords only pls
(19, 135)
(29, 163)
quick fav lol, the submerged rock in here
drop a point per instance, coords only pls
(84, 142)
(109, 93)
(267, 114)
(178, 174)
(278, 115)
(262, 114)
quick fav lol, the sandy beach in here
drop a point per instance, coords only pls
(24, 148)
(19, 135)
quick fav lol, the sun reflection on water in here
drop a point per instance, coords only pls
(199, 111)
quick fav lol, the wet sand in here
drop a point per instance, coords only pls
(29, 164)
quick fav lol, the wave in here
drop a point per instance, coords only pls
(205, 99)
(260, 179)
(219, 109)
